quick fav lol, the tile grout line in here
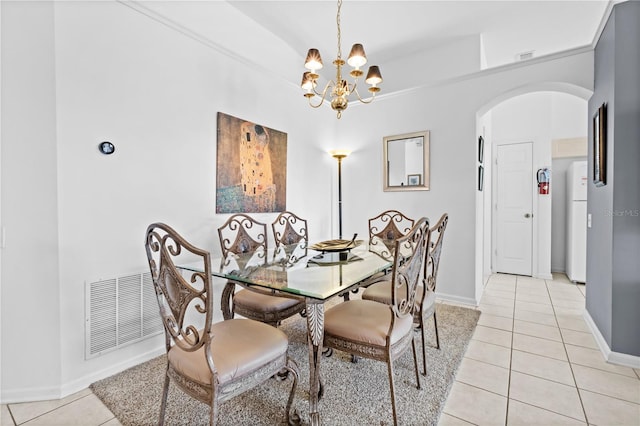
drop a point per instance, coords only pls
(513, 324)
(50, 411)
(461, 419)
(13, 419)
(114, 417)
(548, 284)
(564, 346)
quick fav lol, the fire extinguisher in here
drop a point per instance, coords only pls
(543, 181)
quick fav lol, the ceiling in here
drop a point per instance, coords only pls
(393, 32)
(391, 29)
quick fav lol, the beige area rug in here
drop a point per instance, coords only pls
(355, 394)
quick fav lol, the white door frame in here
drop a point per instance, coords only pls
(534, 207)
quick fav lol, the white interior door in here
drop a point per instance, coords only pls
(514, 209)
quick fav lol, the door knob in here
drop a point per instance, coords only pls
(527, 215)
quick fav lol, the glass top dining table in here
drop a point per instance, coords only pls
(299, 271)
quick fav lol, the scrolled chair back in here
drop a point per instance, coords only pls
(174, 293)
(435, 250)
(409, 255)
(288, 229)
(389, 225)
(242, 234)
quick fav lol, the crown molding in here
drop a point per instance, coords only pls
(170, 23)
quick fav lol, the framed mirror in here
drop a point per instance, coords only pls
(406, 162)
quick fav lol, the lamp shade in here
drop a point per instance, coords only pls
(357, 57)
(313, 61)
(307, 82)
(339, 153)
(373, 75)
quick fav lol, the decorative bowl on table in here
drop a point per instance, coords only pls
(335, 251)
(335, 245)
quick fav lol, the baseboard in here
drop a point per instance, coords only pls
(617, 358)
(84, 382)
(463, 301)
(544, 276)
(29, 394)
(66, 389)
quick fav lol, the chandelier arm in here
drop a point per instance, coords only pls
(322, 95)
(317, 105)
(360, 98)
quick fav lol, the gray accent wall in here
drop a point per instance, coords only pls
(613, 241)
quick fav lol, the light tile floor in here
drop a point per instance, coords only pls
(532, 361)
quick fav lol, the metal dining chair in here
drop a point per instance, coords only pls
(288, 229)
(379, 331)
(384, 229)
(242, 234)
(388, 226)
(426, 299)
(211, 362)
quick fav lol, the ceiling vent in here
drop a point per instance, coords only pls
(524, 55)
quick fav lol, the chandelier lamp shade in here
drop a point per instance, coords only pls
(340, 89)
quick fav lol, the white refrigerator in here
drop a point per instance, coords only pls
(577, 221)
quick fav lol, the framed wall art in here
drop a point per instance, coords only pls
(600, 146)
(413, 180)
(251, 167)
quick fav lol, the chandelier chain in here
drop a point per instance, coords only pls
(338, 22)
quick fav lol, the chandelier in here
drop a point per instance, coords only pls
(340, 89)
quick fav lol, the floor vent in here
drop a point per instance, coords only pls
(120, 311)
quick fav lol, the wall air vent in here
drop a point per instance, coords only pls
(119, 311)
(524, 55)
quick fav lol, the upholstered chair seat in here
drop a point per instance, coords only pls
(365, 321)
(241, 347)
(256, 301)
(381, 292)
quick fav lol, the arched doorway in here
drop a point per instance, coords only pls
(535, 114)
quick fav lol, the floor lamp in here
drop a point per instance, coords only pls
(339, 155)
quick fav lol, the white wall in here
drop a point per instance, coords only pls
(541, 117)
(569, 117)
(154, 93)
(30, 264)
(80, 216)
